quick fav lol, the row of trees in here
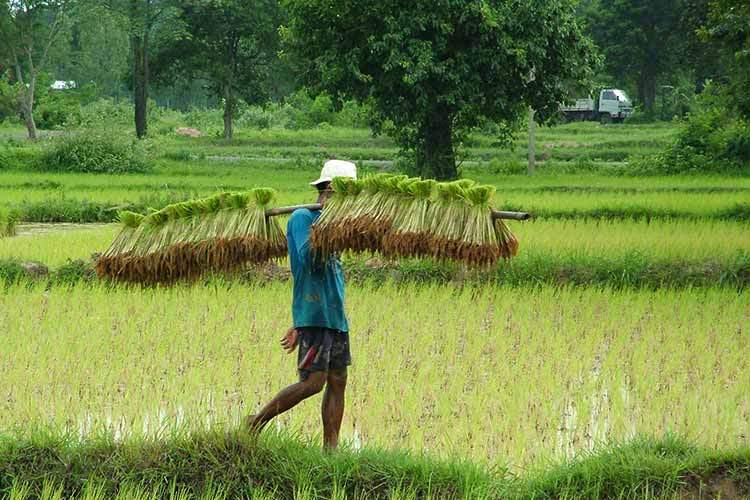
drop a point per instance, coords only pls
(429, 69)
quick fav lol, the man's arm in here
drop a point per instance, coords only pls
(299, 227)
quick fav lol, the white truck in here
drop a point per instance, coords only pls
(612, 106)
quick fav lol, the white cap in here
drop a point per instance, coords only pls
(336, 168)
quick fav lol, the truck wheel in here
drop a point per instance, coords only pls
(605, 119)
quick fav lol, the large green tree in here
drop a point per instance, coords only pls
(29, 32)
(229, 44)
(437, 68)
(640, 39)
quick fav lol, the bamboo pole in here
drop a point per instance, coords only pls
(496, 214)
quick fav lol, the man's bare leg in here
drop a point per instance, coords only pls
(286, 399)
(333, 407)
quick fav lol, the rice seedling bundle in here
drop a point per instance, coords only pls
(182, 240)
(410, 234)
(359, 214)
(447, 220)
(7, 223)
(334, 229)
(399, 216)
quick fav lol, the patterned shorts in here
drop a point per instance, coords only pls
(322, 349)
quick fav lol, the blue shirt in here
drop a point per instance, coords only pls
(318, 284)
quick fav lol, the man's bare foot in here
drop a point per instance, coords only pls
(251, 424)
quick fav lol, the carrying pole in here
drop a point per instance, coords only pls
(496, 214)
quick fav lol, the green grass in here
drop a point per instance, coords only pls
(217, 465)
(55, 246)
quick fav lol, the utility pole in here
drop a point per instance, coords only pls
(532, 143)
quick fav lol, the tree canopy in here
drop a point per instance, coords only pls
(29, 32)
(435, 69)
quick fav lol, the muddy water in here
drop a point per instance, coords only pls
(40, 228)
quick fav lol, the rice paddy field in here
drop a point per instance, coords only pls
(504, 376)
(624, 317)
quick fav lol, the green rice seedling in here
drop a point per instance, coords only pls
(485, 240)
(410, 234)
(373, 213)
(186, 239)
(359, 215)
(494, 379)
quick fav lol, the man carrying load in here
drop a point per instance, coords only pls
(320, 326)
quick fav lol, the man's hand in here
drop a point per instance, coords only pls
(289, 340)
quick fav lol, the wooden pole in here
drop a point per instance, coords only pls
(532, 143)
(496, 214)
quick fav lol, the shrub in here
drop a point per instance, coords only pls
(13, 158)
(254, 117)
(95, 152)
(712, 140)
(100, 113)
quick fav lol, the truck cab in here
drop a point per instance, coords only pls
(612, 105)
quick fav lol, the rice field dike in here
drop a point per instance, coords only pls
(608, 359)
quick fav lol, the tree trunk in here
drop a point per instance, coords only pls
(26, 101)
(139, 44)
(435, 156)
(28, 116)
(229, 106)
(647, 91)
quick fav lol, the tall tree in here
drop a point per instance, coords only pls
(29, 29)
(227, 43)
(437, 68)
(640, 40)
(141, 17)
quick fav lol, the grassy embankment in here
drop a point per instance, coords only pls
(217, 465)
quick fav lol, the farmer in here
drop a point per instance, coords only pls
(320, 326)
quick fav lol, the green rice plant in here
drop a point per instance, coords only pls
(7, 223)
(183, 240)
(504, 381)
(447, 220)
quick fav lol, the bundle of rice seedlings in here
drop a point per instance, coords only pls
(480, 246)
(463, 228)
(505, 240)
(7, 223)
(410, 234)
(334, 230)
(358, 216)
(187, 239)
(447, 220)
